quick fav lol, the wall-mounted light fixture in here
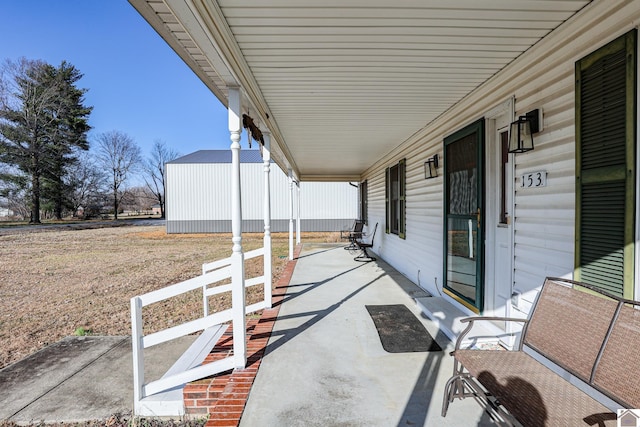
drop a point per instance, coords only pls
(431, 167)
(522, 130)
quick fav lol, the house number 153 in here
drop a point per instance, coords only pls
(533, 179)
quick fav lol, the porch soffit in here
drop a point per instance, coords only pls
(344, 82)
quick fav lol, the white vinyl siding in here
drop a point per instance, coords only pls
(544, 218)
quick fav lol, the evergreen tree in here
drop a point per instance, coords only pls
(42, 120)
(68, 133)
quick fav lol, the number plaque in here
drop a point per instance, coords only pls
(533, 179)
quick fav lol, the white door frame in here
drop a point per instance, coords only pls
(497, 119)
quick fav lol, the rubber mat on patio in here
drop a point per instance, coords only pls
(399, 329)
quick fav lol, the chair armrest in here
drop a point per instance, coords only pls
(509, 319)
(472, 319)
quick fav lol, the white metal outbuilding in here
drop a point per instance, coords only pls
(198, 196)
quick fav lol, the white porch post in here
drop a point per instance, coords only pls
(290, 214)
(237, 256)
(138, 352)
(298, 217)
(266, 158)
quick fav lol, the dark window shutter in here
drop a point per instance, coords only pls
(402, 214)
(387, 195)
(605, 169)
(602, 235)
(364, 201)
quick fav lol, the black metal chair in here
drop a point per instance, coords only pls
(363, 246)
(353, 234)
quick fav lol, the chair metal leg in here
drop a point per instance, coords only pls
(461, 386)
(351, 246)
(448, 395)
(364, 256)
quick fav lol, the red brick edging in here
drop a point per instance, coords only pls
(223, 397)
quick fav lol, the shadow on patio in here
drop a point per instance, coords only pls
(324, 364)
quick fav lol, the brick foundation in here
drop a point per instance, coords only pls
(224, 396)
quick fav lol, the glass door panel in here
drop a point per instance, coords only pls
(462, 238)
(463, 215)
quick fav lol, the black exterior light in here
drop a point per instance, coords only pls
(522, 130)
(431, 167)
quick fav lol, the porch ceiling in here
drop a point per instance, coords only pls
(340, 83)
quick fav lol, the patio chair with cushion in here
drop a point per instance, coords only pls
(363, 246)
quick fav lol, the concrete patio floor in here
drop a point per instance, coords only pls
(324, 364)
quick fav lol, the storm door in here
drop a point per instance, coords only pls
(463, 216)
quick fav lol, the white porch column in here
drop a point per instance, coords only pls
(266, 158)
(237, 255)
(290, 214)
(298, 217)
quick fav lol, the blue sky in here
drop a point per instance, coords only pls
(136, 83)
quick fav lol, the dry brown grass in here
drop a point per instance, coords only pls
(53, 282)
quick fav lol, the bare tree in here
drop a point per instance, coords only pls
(88, 183)
(155, 177)
(139, 200)
(119, 156)
(19, 204)
(14, 189)
(16, 198)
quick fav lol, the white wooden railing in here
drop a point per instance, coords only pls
(224, 265)
(213, 325)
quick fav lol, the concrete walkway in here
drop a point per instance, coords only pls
(325, 366)
(79, 379)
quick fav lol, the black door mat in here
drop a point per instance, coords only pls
(399, 329)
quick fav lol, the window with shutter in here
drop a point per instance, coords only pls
(605, 166)
(364, 201)
(387, 184)
(395, 197)
(402, 198)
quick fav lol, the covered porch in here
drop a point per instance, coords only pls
(316, 357)
(376, 93)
